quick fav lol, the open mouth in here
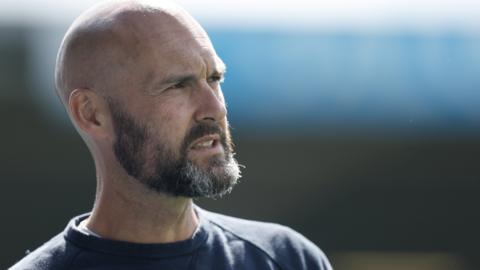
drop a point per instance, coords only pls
(208, 143)
(204, 144)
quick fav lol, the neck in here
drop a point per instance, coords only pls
(132, 213)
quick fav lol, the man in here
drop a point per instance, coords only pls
(141, 83)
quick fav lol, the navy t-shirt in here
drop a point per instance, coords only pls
(220, 242)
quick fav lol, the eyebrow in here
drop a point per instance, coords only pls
(220, 71)
(178, 78)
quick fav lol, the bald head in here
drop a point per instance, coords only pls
(141, 83)
(105, 43)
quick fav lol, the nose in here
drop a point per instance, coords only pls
(211, 104)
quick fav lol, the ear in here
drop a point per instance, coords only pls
(89, 113)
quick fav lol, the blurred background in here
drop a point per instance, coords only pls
(358, 123)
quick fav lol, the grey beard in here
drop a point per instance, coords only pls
(215, 183)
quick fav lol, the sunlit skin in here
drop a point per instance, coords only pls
(160, 65)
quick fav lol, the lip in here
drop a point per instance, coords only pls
(202, 152)
(212, 137)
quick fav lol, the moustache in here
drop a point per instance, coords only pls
(204, 129)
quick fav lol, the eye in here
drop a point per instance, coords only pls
(215, 79)
(179, 85)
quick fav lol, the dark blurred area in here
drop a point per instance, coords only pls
(373, 187)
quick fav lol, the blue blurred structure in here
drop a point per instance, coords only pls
(402, 83)
(329, 83)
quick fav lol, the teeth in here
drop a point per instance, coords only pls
(208, 143)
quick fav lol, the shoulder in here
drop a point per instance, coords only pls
(54, 254)
(286, 247)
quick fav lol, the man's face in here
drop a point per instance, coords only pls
(170, 121)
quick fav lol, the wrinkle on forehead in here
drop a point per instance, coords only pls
(182, 66)
(101, 45)
(182, 61)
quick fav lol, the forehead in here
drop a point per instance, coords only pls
(180, 55)
(159, 46)
(185, 54)
(173, 43)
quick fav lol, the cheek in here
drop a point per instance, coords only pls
(173, 121)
